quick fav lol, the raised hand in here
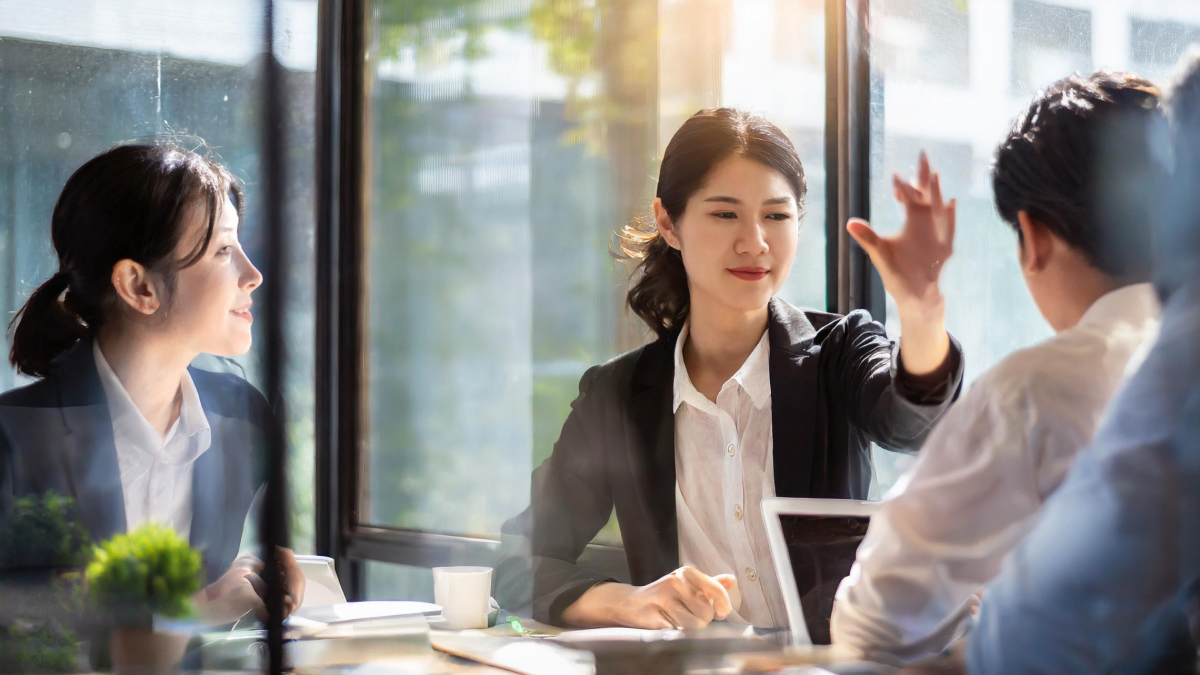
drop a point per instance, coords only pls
(911, 262)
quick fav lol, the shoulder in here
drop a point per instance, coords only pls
(29, 414)
(643, 363)
(617, 379)
(856, 322)
(1056, 388)
(37, 394)
(1070, 365)
(795, 329)
(228, 395)
(856, 329)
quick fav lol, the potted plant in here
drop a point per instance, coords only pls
(134, 578)
(45, 548)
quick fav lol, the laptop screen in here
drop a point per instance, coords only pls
(821, 550)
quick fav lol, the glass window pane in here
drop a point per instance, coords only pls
(79, 76)
(388, 581)
(100, 449)
(1027, 45)
(508, 141)
(1049, 41)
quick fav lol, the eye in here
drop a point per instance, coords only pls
(779, 216)
(725, 215)
(225, 250)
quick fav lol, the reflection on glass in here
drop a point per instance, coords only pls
(164, 492)
(1027, 45)
(821, 550)
(81, 75)
(1049, 41)
(508, 142)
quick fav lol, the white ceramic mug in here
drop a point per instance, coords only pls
(463, 593)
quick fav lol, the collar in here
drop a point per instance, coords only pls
(754, 376)
(1132, 304)
(130, 425)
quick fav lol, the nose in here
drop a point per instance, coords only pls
(751, 239)
(251, 278)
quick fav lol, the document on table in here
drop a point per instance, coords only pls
(529, 656)
(715, 631)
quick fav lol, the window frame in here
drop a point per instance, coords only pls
(341, 394)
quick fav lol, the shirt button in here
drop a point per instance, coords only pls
(751, 574)
(730, 449)
(737, 511)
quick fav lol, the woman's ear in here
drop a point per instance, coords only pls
(135, 287)
(666, 228)
(1036, 243)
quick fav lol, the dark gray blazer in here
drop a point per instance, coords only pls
(56, 434)
(835, 388)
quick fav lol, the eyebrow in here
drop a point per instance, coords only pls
(735, 200)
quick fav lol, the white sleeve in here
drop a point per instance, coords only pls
(944, 529)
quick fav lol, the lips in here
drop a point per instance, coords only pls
(749, 273)
(243, 312)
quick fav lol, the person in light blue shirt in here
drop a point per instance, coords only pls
(1109, 579)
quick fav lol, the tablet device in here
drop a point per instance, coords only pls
(813, 543)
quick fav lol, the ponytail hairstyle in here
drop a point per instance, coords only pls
(132, 201)
(659, 295)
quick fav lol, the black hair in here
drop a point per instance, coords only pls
(132, 201)
(1081, 160)
(660, 294)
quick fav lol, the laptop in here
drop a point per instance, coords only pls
(813, 543)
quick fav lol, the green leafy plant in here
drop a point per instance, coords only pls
(149, 570)
(44, 531)
(35, 647)
(44, 548)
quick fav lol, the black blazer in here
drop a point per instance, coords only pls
(834, 389)
(56, 434)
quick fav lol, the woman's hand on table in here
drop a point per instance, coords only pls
(685, 598)
(241, 589)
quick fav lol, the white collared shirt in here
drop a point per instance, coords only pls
(156, 471)
(724, 469)
(981, 479)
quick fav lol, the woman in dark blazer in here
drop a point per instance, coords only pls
(729, 199)
(150, 276)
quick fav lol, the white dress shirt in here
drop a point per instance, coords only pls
(156, 471)
(1107, 580)
(982, 477)
(724, 469)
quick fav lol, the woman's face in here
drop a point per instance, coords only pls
(210, 308)
(737, 235)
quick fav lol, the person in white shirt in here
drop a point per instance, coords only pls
(1074, 178)
(740, 397)
(151, 275)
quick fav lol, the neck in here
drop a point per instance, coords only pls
(150, 370)
(720, 339)
(1082, 289)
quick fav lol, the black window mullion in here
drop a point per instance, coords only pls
(865, 287)
(339, 272)
(835, 202)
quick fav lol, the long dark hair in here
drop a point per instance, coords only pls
(131, 202)
(660, 293)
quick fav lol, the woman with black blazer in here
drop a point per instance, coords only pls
(151, 275)
(741, 397)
